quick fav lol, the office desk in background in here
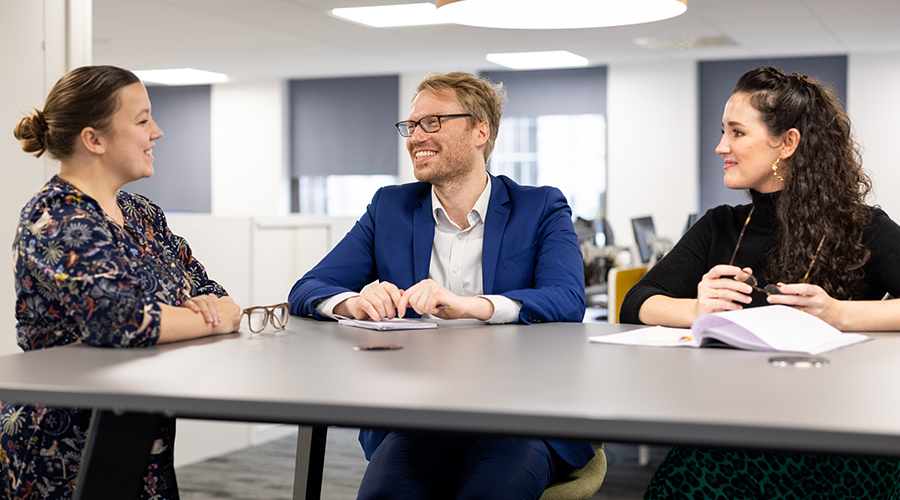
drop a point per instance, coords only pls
(539, 380)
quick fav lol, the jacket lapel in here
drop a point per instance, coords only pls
(423, 238)
(494, 226)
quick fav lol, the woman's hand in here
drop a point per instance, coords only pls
(198, 317)
(723, 289)
(207, 306)
(811, 299)
(229, 315)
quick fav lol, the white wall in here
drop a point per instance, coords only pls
(248, 167)
(38, 52)
(653, 136)
(21, 26)
(873, 104)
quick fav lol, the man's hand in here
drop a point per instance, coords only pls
(427, 297)
(377, 301)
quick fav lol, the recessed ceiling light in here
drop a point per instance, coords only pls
(682, 42)
(538, 60)
(557, 14)
(180, 76)
(391, 16)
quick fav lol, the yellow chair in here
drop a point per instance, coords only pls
(618, 282)
(580, 484)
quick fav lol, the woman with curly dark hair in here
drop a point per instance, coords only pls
(807, 240)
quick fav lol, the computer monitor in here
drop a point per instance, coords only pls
(644, 236)
(584, 229)
(602, 227)
(692, 219)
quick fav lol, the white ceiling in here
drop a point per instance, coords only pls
(259, 39)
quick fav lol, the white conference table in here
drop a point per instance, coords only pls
(540, 380)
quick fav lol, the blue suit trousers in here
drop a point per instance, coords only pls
(433, 465)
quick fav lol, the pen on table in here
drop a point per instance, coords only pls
(377, 347)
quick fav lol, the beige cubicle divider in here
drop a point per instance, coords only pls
(257, 259)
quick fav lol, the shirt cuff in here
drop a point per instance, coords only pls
(326, 307)
(506, 310)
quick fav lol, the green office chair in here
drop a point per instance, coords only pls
(580, 484)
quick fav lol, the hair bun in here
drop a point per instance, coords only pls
(31, 132)
(39, 123)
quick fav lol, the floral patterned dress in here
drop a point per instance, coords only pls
(80, 277)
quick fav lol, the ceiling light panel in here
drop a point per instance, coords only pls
(391, 16)
(538, 60)
(557, 14)
(180, 76)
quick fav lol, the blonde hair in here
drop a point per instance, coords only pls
(478, 97)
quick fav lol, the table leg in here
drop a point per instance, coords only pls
(115, 459)
(310, 462)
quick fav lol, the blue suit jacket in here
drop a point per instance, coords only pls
(530, 253)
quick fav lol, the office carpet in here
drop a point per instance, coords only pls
(265, 472)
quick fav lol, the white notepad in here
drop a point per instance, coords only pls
(769, 328)
(389, 324)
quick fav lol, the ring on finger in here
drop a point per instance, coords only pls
(717, 293)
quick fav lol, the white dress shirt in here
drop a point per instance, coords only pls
(455, 260)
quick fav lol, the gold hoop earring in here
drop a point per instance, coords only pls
(775, 170)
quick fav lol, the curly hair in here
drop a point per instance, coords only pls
(825, 186)
(479, 97)
(84, 97)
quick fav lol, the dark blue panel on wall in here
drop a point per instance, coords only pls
(181, 158)
(344, 126)
(553, 92)
(717, 80)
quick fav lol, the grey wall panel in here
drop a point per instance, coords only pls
(553, 92)
(181, 178)
(344, 126)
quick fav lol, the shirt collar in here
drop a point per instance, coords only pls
(477, 214)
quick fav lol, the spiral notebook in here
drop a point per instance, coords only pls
(389, 324)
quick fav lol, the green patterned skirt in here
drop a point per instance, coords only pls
(703, 473)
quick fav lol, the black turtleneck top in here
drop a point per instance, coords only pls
(711, 241)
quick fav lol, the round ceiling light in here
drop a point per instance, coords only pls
(556, 14)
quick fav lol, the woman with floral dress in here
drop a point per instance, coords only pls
(97, 265)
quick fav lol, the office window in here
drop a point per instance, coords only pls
(338, 195)
(564, 151)
(343, 143)
(554, 133)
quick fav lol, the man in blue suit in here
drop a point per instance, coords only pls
(460, 243)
